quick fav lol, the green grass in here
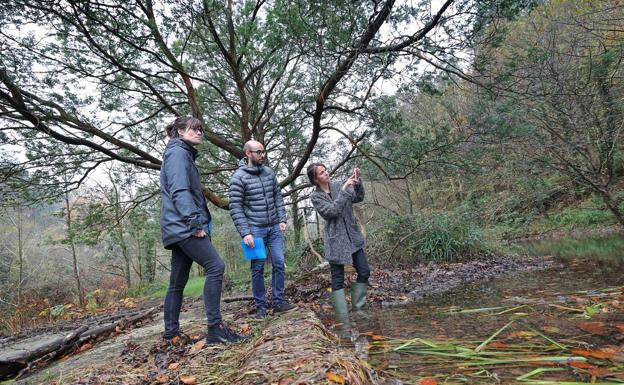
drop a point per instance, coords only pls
(573, 218)
(589, 214)
(238, 275)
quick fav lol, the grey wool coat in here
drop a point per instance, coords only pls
(341, 234)
(255, 198)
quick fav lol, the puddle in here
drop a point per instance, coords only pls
(536, 312)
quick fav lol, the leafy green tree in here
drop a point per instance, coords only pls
(555, 92)
(122, 217)
(83, 83)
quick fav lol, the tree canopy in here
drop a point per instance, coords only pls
(83, 83)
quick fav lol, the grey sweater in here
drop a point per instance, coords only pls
(341, 234)
(255, 198)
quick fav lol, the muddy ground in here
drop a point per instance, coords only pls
(140, 356)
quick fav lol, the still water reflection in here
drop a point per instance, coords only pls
(586, 270)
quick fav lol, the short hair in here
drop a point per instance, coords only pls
(181, 123)
(311, 171)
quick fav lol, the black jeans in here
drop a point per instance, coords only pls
(361, 267)
(183, 254)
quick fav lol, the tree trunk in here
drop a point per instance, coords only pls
(612, 205)
(297, 225)
(149, 262)
(70, 238)
(20, 255)
(409, 196)
(124, 253)
(121, 238)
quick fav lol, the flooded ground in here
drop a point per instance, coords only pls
(549, 326)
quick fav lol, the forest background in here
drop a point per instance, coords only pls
(476, 123)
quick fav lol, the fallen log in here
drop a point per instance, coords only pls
(21, 363)
(122, 323)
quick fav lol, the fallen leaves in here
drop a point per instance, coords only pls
(498, 344)
(428, 381)
(376, 337)
(176, 340)
(602, 355)
(597, 328)
(334, 377)
(285, 381)
(197, 346)
(85, 346)
(580, 364)
(188, 380)
(599, 372)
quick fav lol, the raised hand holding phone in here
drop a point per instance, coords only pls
(356, 174)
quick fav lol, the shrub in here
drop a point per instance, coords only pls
(426, 238)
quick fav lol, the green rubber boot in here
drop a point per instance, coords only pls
(358, 295)
(341, 312)
(339, 303)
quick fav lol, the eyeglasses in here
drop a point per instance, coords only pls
(258, 152)
(199, 130)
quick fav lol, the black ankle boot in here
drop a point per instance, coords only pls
(221, 334)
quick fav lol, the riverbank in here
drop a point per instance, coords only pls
(404, 284)
(140, 356)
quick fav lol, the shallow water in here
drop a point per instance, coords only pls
(549, 302)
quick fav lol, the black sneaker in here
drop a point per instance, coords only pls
(261, 313)
(282, 307)
(222, 334)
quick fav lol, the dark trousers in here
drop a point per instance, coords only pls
(183, 254)
(361, 267)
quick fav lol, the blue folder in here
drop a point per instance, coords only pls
(258, 251)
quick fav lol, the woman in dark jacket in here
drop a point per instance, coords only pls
(185, 228)
(343, 239)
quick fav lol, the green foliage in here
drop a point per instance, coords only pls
(59, 310)
(553, 95)
(581, 218)
(441, 237)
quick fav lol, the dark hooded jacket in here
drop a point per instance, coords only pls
(184, 209)
(255, 198)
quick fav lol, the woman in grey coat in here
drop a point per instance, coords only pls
(343, 239)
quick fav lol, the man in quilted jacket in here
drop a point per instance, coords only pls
(257, 209)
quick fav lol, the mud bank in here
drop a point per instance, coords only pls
(398, 286)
